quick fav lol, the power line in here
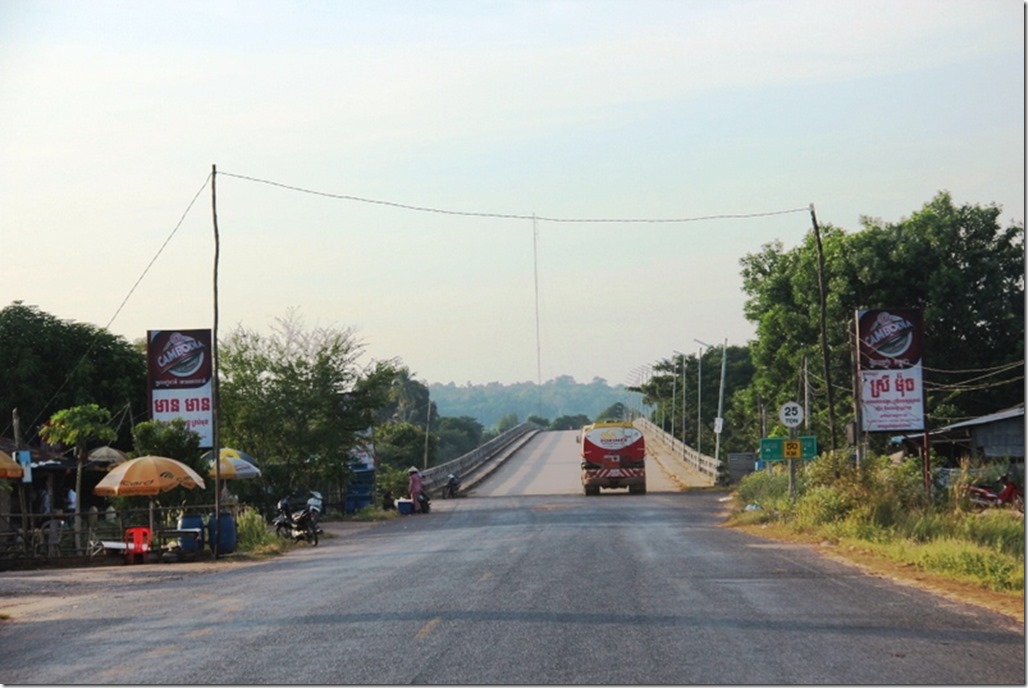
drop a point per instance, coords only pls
(131, 291)
(510, 216)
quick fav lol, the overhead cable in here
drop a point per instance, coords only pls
(510, 216)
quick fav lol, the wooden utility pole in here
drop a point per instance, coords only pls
(822, 300)
(215, 439)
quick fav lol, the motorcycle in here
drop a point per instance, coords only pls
(983, 496)
(452, 487)
(297, 525)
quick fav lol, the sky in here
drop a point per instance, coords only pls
(484, 191)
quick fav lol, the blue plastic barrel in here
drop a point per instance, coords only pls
(189, 521)
(227, 536)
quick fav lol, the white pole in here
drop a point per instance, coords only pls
(721, 403)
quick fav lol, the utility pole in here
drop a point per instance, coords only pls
(699, 394)
(719, 424)
(215, 439)
(822, 300)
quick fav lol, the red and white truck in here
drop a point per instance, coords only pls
(613, 456)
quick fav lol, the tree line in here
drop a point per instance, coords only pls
(302, 401)
(957, 264)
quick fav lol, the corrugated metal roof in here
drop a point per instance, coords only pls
(1005, 414)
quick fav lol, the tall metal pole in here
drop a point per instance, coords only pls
(538, 341)
(674, 386)
(720, 405)
(699, 393)
(683, 404)
(699, 400)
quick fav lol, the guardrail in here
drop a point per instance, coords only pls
(433, 479)
(707, 465)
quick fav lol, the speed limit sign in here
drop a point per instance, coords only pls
(791, 414)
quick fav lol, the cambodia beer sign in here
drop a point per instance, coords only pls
(179, 369)
(891, 390)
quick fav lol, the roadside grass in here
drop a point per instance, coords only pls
(255, 538)
(881, 507)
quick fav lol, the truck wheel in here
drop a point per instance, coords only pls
(637, 489)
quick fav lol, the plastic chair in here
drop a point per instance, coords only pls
(137, 543)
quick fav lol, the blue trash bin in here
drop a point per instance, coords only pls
(190, 521)
(227, 536)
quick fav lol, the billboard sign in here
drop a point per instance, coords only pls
(180, 374)
(890, 344)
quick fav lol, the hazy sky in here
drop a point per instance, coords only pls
(113, 113)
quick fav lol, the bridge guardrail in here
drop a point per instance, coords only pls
(707, 465)
(433, 479)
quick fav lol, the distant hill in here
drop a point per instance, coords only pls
(561, 396)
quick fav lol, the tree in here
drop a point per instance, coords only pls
(457, 437)
(77, 427)
(401, 445)
(955, 263)
(570, 422)
(47, 364)
(408, 400)
(298, 402)
(616, 411)
(506, 423)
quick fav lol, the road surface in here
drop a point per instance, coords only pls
(526, 581)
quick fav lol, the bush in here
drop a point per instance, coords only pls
(884, 504)
(821, 504)
(769, 489)
(252, 533)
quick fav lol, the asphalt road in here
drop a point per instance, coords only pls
(526, 581)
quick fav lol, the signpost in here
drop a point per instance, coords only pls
(782, 449)
(792, 449)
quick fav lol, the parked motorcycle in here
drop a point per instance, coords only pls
(1006, 493)
(452, 486)
(297, 525)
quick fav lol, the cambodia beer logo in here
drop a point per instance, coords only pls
(180, 358)
(890, 335)
(889, 339)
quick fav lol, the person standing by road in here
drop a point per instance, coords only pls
(414, 487)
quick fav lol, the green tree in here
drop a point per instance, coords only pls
(506, 423)
(402, 445)
(955, 263)
(47, 364)
(77, 427)
(298, 402)
(616, 411)
(573, 422)
(408, 400)
(457, 437)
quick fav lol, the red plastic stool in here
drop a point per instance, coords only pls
(137, 543)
